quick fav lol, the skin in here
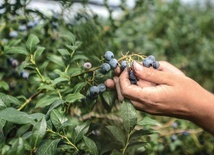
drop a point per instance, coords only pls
(167, 91)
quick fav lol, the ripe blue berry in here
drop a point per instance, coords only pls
(102, 87)
(13, 34)
(113, 63)
(108, 55)
(123, 65)
(132, 77)
(25, 74)
(22, 28)
(151, 57)
(173, 138)
(155, 64)
(105, 68)
(87, 65)
(31, 24)
(93, 92)
(147, 62)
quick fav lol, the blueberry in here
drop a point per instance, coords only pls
(132, 77)
(113, 63)
(147, 62)
(108, 55)
(175, 125)
(31, 24)
(93, 92)
(22, 28)
(9, 61)
(151, 57)
(185, 133)
(105, 68)
(155, 64)
(102, 87)
(25, 74)
(13, 34)
(174, 138)
(123, 65)
(87, 65)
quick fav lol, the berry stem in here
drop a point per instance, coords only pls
(63, 137)
(29, 99)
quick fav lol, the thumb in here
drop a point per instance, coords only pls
(152, 75)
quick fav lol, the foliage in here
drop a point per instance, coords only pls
(43, 84)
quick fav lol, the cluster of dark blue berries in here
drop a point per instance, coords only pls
(110, 62)
(95, 90)
(151, 62)
(15, 63)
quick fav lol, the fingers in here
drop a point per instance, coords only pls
(110, 83)
(117, 85)
(152, 75)
(167, 67)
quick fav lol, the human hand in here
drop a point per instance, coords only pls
(168, 92)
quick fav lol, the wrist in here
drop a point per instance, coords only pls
(203, 112)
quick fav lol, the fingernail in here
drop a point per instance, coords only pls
(137, 67)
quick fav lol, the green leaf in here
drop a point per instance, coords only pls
(38, 132)
(4, 85)
(108, 99)
(115, 152)
(78, 87)
(74, 97)
(17, 50)
(69, 36)
(56, 59)
(8, 99)
(54, 105)
(91, 146)
(15, 116)
(31, 42)
(47, 100)
(148, 121)
(142, 132)
(64, 52)
(72, 48)
(23, 66)
(17, 146)
(37, 116)
(57, 118)
(59, 79)
(38, 52)
(48, 147)
(46, 87)
(129, 115)
(23, 129)
(136, 146)
(80, 131)
(79, 57)
(118, 134)
(2, 123)
(75, 71)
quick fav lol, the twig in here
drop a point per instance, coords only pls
(29, 99)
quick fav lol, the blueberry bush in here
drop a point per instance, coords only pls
(53, 66)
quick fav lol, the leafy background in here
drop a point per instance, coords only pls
(47, 113)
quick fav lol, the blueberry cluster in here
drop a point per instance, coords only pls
(111, 63)
(151, 62)
(15, 63)
(95, 90)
